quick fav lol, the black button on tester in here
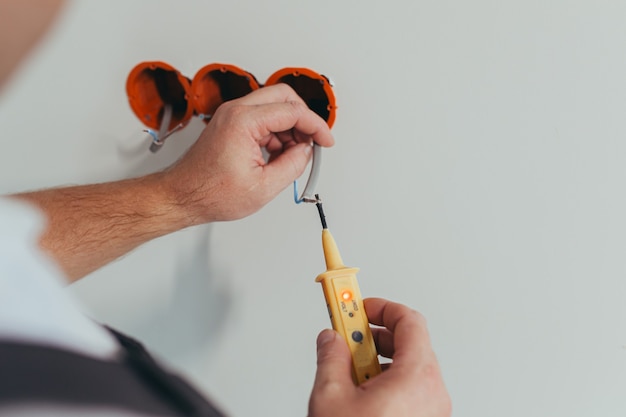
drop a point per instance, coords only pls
(357, 336)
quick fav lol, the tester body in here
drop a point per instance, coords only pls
(346, 309)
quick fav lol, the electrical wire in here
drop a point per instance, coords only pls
(311, 184)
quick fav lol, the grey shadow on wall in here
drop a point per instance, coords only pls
(134, 152)
(201, 299)
(200, 302)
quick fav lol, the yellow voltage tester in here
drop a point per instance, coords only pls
(345, 307)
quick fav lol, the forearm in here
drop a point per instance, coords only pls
(222, 177)
(91, 225)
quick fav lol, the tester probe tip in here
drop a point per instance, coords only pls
(321, 211)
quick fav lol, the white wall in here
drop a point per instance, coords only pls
(478, 176)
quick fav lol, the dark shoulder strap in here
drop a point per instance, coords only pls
(172, 386)
(39, 374)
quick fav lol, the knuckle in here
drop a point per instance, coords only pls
(325, 356)
(329, 389)
(285, 88)
(296, 107)
(430, 372)
(420, 318)
(416, 316)
(325, 393)
(229, 111)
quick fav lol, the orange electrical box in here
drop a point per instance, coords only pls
(314, 88)
(214, 84)
(157, 91)
(153, 84)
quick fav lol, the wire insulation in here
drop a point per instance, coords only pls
(320, 210)
(311, 184)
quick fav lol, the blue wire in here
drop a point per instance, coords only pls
(295, 193)
(152, 133)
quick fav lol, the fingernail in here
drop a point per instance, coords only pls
(307, 149)
(325, 337)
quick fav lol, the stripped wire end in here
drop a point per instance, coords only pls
(320, 209)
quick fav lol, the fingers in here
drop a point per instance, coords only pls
(410, 343)
(285, 167)
(229, 149)
(271, 94)
(383, 339)
(270, 119)
(334, 372)
(286, 130)
(277, 109)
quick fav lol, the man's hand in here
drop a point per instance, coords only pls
(410, 386)
(223, 176)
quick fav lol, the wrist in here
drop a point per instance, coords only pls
(187, 201)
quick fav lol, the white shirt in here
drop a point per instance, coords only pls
(33, 304)
(34, 307)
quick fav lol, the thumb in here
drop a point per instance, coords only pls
(287, 167)
(334, 362)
